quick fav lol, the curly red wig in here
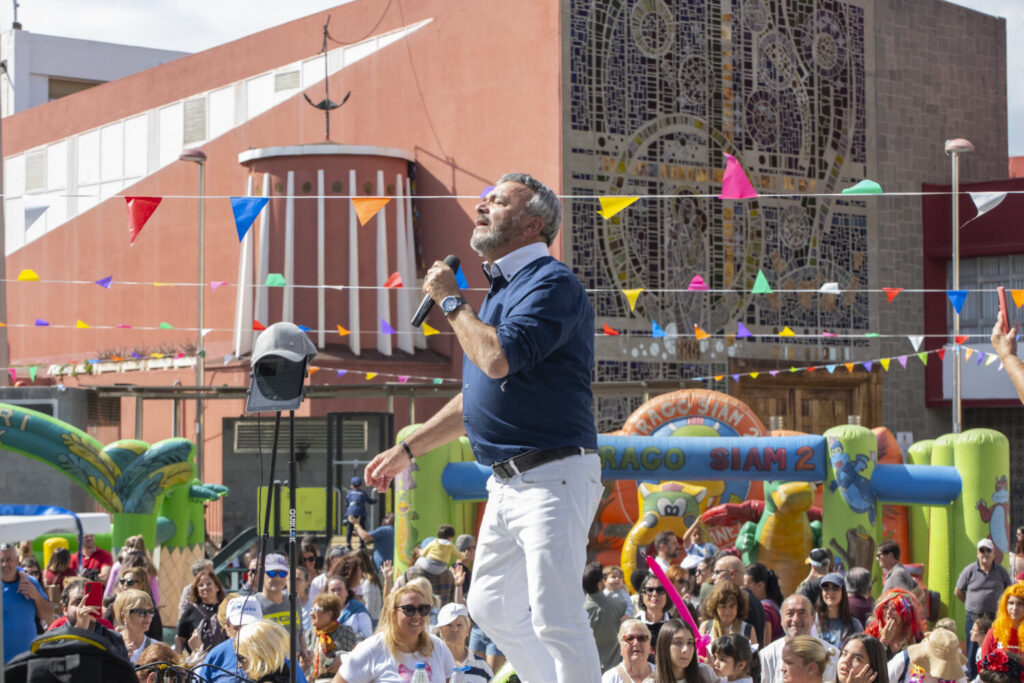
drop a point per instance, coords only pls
(905, 605)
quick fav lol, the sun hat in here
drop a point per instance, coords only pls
(939, 655)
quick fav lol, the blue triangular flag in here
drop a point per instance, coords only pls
(41, 323)
(105, 281)
(656, 330)
(830, 368)
(735, 378)
(956, 297)
(867, 365)
(981, 357)
(342, 373)
(246, 209)
(385, 328)
(303, 328)
(486, 191)
(460, 278)
(742, 331)
(136, 354)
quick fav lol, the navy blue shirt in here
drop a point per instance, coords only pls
(545, 327)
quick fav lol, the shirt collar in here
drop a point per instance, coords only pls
(511, 263)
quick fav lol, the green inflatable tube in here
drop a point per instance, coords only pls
(941, 547)
(851, 517)
(919, 454)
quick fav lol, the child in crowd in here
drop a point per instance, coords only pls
(733, 659)
(947, 624)
(356, 500)
(440, 552)
(615, 586)
(979, 630)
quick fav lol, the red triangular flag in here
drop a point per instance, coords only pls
(257, 325)
(394, 280)
(139, 211)
(942, 354)
(891, 292)
(610, 331)
(961, 338)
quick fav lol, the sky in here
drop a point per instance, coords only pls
(192, 26)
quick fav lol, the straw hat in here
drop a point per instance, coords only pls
(939, 655)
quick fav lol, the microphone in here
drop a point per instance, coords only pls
(452, 261)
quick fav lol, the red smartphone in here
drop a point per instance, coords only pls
(94, 594)
(1002, 307)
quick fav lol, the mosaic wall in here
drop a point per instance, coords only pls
(656, 91)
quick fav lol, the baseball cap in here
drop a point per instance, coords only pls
(986, 543)
(450, 613)
(276, 562)
(243, 610)
(691, 561)
(283, 339)
(818, 558)
(463, 542)
(834, 578)
(355, 481)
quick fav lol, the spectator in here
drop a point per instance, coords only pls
(382, 538)
(634, 648)
(206, 596)
(862, 660)
(328, 639)
(1016, 557)
(858, 590)
(481, 645)
(24, 552)
(137, 578)
(443, 583)
(936, 658)
(730, 568)
(1000, 668)
(615, 587)
(401, 640)
(319, 583)
(134, 546)
(202, 564)
(465, 544)
(273, 600)
(797, 620)
(1007, 632)
(353, 612)
(804, 660)
(696, 543)
(820, 563)
(763, 584)
(356, 499)
(675, 656)
(133, 612)
(81, 615)
(979, 587)
(894, 574)
(250, 579)
(309, 557)
(654, 609)
(896, 621)
(440, 552)
(666, 545)
(835, 624)
(682, 581)
(704, 575)
(370, 585)
(726, 612)
(153, 662)
(96, 562)
(302, 601)
(604, 613)
(733, 659)
(453, 627)
(263, 652)
(57, 570)
(979, 630)
(23, 602)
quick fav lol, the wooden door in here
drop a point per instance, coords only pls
(815, 402)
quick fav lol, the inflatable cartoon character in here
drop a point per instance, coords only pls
(670, 505)
(855, 489)
(997, 517)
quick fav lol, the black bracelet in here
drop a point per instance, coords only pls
(408, 450)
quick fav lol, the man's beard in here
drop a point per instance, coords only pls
(492, 240)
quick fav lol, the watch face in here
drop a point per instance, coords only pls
(450, 303)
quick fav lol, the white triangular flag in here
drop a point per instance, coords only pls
(916, 340)
(830, 288)
(34, 209)
(207, 330)
(986, 201)
(227, 358)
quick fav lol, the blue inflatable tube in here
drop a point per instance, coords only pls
(916, 484)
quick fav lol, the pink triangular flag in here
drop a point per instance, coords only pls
(215, 284)
(735, 184)
(902, 360)
(697, 284)
(403, 378)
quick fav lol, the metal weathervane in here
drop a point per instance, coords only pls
(326, 104)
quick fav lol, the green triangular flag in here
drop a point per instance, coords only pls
(275, 280)
(166, 326)
(923, 356)
(864, 187)
(32, 372)
(761, 285)
(871, 334)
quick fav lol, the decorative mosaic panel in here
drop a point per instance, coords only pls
(656, 91)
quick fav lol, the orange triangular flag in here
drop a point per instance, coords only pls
(609, 330)
(394, 281)
(428, 330)
(718, 378)
(969, 352)
(891, 292)
(1018, 297)
(257, 325)
(342, 331)
(313, 369)
(367, 207)
(849, 367)
(699, 333)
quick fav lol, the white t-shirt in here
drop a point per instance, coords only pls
(371, 662)
(613, 676)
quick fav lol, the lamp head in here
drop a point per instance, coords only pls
(958, 145)
(279, 360)
(195, 154)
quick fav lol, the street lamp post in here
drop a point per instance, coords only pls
(199, 157)
(954, 148)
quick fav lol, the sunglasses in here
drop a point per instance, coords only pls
(985, 550)
(638, 638)
(653, 590)
(277, 573)
(143, 612)
(412, 610)
(127, 582)
(309, 558)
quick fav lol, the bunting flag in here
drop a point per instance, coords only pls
(829, 288)
(786, 332)
(370, 375)
(718, 378)
(864, 187)
(486, 191)
(428, 331)
(872, 335)
(902, 360)
(437, 380)
(28, 275)
(656, 330)
(981, 357)
(1018, 296)
(631, 296)
(34, 211)
(697, 284)
(961, 338)
(385, 328)
(313, 369)
(754, 375)
(217, 284)
(276, 280)
(246, 209)
(105, 282)
(81, 325)
(258, 326)
(41, 323)
(915, 341)
(831, 368)
(367, 207)
(923, 356)
(460, 279)
(885, 363)
(792, 368)
(941, 353)
(163, 284)
(826, 333)
(613, 205)
(867, 365)
(394, 281)
(968, 352)
(849, 367)
(699, 333)
(735, 378)
(609, 330)
(986, 201)
(342, 373)
(735, 184)
(403, 378)
(342, 331)
(165, 326)
(892, 292)
(139, 211)
(305, 328)
(773, 373)
(32, 372)
(205, 331)
(957, 297)
(742, 331)
(123, 326)
(761, 285)
(990, 358)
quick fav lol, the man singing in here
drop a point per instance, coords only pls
(526, 408)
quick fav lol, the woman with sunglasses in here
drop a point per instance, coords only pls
(835, 623)
(133, 613)
(654, 610)
(327, 640)
(204, 599)
(635, 648)
(401, 642)
(138, 578)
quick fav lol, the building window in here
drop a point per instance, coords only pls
(195, 121)
(62, 87)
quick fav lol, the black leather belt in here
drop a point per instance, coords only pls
(506, 469)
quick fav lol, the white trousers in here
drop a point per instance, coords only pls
(527, 591)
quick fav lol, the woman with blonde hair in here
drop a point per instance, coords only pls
(402, 641)
(262, 651)
(133, 614)
(1007, 632)
(804, 659)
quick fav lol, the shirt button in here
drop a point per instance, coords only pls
(465, 386)
(465, 418)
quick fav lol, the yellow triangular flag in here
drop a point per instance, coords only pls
(342, 331)
(612, 205)
(163, 284)
(371, 375)
(82, 325)
(428, 330)
(992, 358)
(849, 367)
(885, 363)
(718, 378)
(754, 375)
(969, 352)
(632, 295)
(787, 332)
(3, 324)
(367, 207)
(700, 334)
(28, 275)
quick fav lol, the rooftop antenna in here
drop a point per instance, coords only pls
(325, 104)
(16, 25)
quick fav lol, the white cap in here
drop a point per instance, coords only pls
(244, 610)
(276, 562)
(450, 613)
(986, 543)
(691, 561)
(283, 339)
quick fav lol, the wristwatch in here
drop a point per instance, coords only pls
(450, 304)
